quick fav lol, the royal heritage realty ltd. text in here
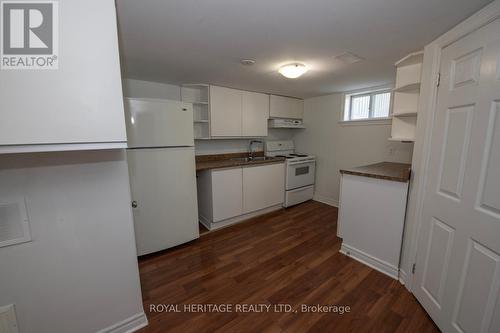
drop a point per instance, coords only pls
(250, 308)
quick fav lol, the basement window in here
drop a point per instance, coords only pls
(368, 105)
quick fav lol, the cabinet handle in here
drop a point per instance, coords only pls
(134, 204)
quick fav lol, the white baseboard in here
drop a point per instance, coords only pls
(365, 258)
(403, 278)
(203, 220)
(241, 218)
(128, 325)
(326, 200)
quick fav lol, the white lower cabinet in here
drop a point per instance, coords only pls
(263, 186)
(227, 196)
(227, 193)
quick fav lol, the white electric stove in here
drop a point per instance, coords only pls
(299, 174)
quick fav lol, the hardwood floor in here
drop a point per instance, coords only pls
(285, 257)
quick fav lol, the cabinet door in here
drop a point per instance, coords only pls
(263, 186)
(286, 107)
(225, 111)
(81, 101)
(227, 193)
(255, 112)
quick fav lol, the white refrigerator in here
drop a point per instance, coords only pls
(162, 173)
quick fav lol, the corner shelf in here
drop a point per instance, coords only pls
(406, 95)
(405, 114)
(199, 96)
(410, 87)
(403, 140)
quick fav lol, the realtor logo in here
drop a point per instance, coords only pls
(29, 35)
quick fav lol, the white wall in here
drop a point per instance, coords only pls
(337, 145)
(79, 273)
(145, 89)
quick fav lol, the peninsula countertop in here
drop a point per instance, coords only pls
(219, 161)
(399, 172)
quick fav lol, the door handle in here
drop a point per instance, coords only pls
(134, 204)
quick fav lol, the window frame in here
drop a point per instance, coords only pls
(372, 92)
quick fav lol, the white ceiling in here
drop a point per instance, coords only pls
(202, 41)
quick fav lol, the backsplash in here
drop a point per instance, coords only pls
(222, 146)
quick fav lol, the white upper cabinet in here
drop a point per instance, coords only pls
(225, 112)
(286, 107)
(80, 104)
(255, 113)
(237, 113)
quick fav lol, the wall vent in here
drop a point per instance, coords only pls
(8, 320)
(14, 223)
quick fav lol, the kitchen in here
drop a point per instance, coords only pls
(268, 166)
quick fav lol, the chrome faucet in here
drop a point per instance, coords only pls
(250, 151)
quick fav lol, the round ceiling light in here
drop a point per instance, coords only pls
(293, 71)
(247, 62)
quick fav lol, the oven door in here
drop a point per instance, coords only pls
(299, 174)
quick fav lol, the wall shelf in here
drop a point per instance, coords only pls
(199, 96)
(403, 140)
(405, 114)
(406, 95)
(411, 87)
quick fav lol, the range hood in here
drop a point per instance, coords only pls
(285, 123)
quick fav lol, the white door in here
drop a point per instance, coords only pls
(225, 111)
(255, 113)
(158, 123)
(227, 193)
(163, 184)
(263, 186)
(458, 266)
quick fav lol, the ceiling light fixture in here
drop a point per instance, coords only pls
(247, 62)
(293, 71)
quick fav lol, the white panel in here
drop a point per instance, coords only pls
(490, 180)
(255, 112)
(498, 66)
(8, 320)
(437, 260)
(14, 223)
(286, 107)
(466, 69)
(367, 227)
(82, 101)
(456, 143)
(163, 184)
(225, 111)
(158, 123)
(17, 28)
(227, 193)
(407, 75)
(263, 186)
(479, 289)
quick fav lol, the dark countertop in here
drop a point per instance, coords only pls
(399, 172)
(219, 161)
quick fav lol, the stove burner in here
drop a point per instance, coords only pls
(285, 156)
(298, 155)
